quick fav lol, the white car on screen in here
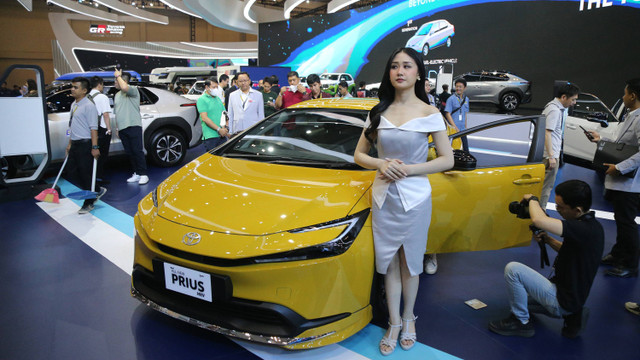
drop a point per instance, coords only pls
(431, 35)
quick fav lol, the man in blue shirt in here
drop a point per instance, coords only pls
(457, 109)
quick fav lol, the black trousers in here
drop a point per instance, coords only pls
(625, 209)
(131, 138)
(104, 141)
(80, 165)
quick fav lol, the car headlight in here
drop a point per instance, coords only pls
(334, 247)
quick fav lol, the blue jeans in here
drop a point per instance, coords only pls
(523, 281)
(212, 143)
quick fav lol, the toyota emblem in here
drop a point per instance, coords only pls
(191, 239)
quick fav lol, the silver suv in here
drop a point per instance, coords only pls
(499, 87)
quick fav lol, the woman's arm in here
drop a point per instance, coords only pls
(390, 169)
(443, 162)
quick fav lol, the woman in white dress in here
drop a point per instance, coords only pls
(399, 127)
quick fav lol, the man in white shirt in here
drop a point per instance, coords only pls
(101, 101)
(246, 106)
(556, 112)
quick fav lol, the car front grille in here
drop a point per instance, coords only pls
(226, 311)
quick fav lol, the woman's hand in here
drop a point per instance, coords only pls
(392, 170)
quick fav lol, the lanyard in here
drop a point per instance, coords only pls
(72, 112)
(244, 100)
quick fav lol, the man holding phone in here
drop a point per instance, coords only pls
(556, 113)
(624, 192)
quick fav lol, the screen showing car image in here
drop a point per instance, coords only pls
(520, 37)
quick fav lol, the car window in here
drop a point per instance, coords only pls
(471, 77)
(589, 107)
(306, 137)
(425, 29)
(503, 145)
(60, 101)
(196, 89)
(146, 96)
(494, 77)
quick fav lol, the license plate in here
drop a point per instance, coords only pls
(188, 281)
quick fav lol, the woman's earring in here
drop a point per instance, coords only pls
(418, 77)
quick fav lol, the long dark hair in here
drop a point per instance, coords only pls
(387, 92)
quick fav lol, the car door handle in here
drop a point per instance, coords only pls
(572, 127)
(147, 116)
(527, 181)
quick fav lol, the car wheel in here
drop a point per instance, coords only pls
(425, 49)
(449, 41)
(8, 169)
(373, 93)
(167, 148)
(509, 101)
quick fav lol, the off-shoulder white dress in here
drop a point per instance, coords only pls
(401, 210)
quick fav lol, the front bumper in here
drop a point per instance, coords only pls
(244, 335)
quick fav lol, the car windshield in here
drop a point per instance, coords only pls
(424, 30)
(304, 137)
(329, 76)
(196, 89)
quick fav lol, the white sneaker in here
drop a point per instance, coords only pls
(143, 179)
(430, 264)
(134, 178)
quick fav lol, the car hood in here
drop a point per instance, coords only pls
(243, 197)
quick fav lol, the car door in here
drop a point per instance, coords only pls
(470, 207)
(591, 114)
(474, 87)
(58, 107)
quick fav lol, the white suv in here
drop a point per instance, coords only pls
(170, 124)
(331, 79)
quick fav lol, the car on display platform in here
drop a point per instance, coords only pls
(589, 113)
(268, 237)
(431, 35)
(499, 87)
(170, 123)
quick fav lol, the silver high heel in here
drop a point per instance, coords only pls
(388, 341)
(407, 336)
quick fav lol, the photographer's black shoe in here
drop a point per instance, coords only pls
(609, 260)
(575, 323)
(622, 272)
(511, 326)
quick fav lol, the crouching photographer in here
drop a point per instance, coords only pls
(565, 292)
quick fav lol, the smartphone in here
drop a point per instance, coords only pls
(586, 133)
(118, 67)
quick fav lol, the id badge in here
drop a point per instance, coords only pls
(460, 118)
(68, 132)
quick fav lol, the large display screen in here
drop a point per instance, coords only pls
(589, 42)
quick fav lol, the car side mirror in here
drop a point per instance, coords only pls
(463, 160)
(598, 117)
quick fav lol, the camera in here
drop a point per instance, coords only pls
(520, 209)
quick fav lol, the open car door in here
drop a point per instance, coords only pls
(471, 205)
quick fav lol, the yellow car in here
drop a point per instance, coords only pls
(268, 237)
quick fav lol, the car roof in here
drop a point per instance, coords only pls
(88, 74)
(337, 103)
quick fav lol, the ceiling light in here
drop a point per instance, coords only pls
(289, 5)
(247, 7)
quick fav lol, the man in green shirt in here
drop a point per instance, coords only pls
(127, 110)
(269, 96)
(210, 107)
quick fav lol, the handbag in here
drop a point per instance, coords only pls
(612, 153)
(463, 160)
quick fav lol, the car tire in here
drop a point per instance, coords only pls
(373, 93)
(509, 101)
(167, 148)
(8, 168)
(449, 41)
(425, 49)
